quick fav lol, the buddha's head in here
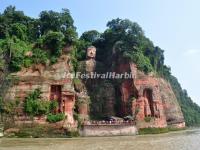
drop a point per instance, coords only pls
(91, 52)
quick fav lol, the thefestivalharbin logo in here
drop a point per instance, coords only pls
(95, 75)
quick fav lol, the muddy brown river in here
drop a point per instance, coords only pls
(182, 140)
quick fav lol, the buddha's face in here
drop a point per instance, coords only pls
(91, 52)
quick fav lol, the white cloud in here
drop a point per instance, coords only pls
(192, 52)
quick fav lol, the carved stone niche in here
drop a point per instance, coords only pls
(68, 103)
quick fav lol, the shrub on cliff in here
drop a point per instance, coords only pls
(34, 106)
(52, 118)
(53, 106)
(147, 119)
(39, 56)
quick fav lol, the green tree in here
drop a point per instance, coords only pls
(3, 30)
(53, 41)
(14, 50)
(18, 30)
(33, 30)
(49, 21)
(11, 16)
(70, 37)
(55, 21)
(90, 36)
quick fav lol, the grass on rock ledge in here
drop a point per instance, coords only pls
(40, 131)
(143, 131)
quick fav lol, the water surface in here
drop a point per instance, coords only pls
(182, 140)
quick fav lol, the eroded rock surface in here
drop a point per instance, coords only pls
(53, 81)
(148, 98)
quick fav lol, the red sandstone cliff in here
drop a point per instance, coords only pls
(53, 81)
(148, 98)
(153, 101)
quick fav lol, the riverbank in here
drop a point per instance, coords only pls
(159, 130)
(182, 140)
(56, 131)
(39, 131)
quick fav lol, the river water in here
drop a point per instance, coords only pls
(182, 140)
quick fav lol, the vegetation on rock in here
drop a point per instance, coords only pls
(35, 106)
(158, 130)
(45, 37)
(191, 110)
(52, 118)
(38, 131)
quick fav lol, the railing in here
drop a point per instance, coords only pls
(109, 122)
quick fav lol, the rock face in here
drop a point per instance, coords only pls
(156, 100)
(53, 81)
(170, 104)
(148, 98)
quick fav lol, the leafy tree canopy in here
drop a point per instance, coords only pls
(45, 37)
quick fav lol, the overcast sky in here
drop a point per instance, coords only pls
(173, 25)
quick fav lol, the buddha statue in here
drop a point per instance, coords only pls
(91, 62)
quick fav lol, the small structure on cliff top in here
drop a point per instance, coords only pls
(149, 99)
